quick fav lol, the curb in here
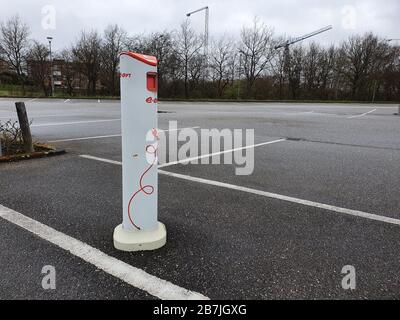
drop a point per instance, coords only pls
(33, 155)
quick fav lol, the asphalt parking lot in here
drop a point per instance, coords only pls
(323, 196)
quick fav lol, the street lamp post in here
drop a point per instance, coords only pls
(206, 33)
(51, 67)
(390, 40)
(239, 75)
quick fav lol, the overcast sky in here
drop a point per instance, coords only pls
(290, 17)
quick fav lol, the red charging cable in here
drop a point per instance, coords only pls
(147, 189)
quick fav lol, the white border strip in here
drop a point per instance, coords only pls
(135, 277)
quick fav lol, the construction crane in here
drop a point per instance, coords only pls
(206, 32)
(291, 41)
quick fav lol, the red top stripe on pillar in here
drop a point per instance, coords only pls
(150, 60)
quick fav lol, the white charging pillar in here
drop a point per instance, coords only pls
(140, 229)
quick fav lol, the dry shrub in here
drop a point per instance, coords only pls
(11, 137)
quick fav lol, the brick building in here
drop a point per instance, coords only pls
(66, 75)
(4, 66)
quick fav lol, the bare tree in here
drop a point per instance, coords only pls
(311, 68)
(113, 43)
(295, 69)
(390, 76)
(357, 58)
(278, 71)
(87, 53)
(136, 43)
(361, 68)
(326, 71)
(187, 46)
(384, 59)
(14, 45)
(160, 45)
(40, 67)
(68, 70)
(222, 63)
(197, 74)
(257, 51)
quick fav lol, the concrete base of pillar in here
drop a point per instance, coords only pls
(131, 241)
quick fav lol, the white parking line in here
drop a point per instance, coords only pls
(293, 113)
(171, 130)
(308, 203)
(86, 138)
(85, 156)
(362, 115)
(68, 100)
(109, 136)
(44, 116)
(71, 123)
(185, 161)
(135, 277)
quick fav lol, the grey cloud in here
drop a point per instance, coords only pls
(288, 17)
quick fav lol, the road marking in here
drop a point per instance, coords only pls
(185, 161)
(292, 113)
(362, 115)
(86, 138)
(70, 123)
(34, 99)
(135, 277)
(308, 203)
(333, 106)
(171, 130)
(85, 156)
(46, 116)
(68, 100)
(109, 136)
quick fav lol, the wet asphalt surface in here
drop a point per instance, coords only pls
(223, 243)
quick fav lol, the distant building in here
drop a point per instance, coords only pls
(6, 72)
(66, 75)
(4, 66)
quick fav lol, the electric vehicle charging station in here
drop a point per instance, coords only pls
(140, 229)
